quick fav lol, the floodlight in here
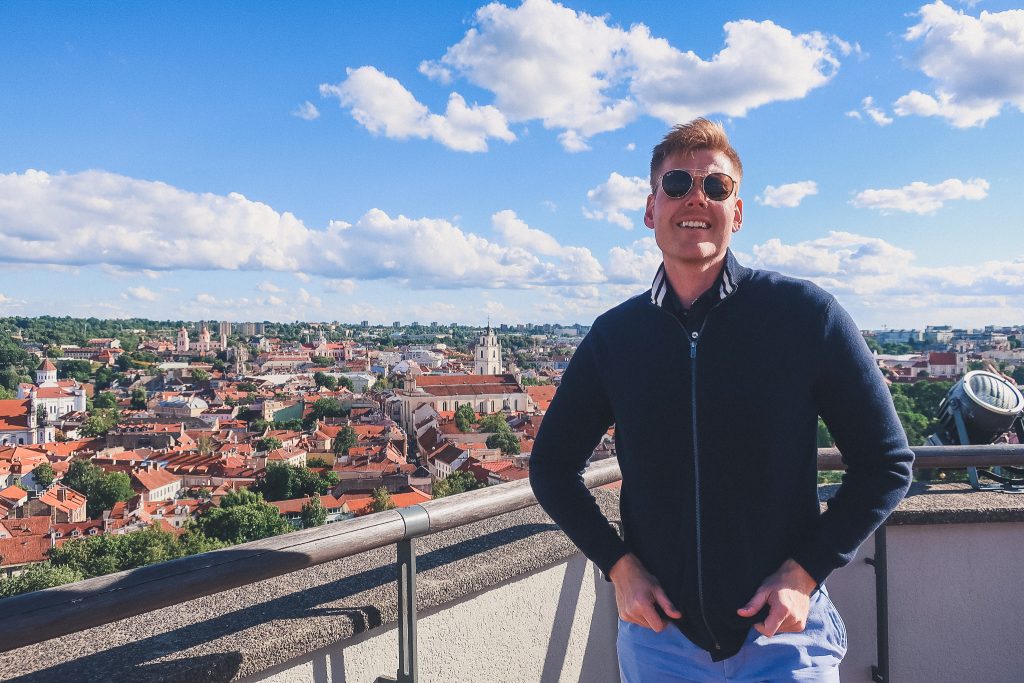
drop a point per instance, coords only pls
(978, 409)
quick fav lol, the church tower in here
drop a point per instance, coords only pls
(182, 340)
(487, 359)
(46, 373)
(204, 340)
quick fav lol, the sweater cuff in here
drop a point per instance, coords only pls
(815, 562)
(608, 557)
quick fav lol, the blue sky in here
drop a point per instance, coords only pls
(453, 161)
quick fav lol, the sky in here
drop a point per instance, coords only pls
(460, 161)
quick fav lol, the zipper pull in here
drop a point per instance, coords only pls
(693, 345)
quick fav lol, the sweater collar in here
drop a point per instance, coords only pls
(728, 280)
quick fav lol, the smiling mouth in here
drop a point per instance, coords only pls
(694, 225)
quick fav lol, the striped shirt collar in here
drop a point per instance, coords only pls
(727, 282)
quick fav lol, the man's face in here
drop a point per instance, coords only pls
(694, 229)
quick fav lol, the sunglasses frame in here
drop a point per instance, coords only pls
(694, 174)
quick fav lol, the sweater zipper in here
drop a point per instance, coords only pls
(694, 338)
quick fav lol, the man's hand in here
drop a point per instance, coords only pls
(788, 593)
(638, 594)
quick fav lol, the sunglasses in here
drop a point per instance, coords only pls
(716, 186)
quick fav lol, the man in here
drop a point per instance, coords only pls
(714, 380)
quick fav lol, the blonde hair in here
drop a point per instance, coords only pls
(689, 137)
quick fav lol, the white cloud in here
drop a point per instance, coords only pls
(885, 276)
(635, 264)
(302, 277)
(516, 233)
(206, 299)
(96, 218)
(921, 198)
(384, 107)
(612, 198)
(788, 195)
(141, 294)
(630, 147)
(307, 111)
(268, 286)
(433, 252)
(678, 86)
(342, 286)
(976, 64)
(854, 114)
(583, 76)
(873, 112)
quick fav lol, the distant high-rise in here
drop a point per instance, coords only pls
(248, 329)
(365, 323)
(225, 328)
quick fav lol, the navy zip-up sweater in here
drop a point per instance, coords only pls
(716, 431)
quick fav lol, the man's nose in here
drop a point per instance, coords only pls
(696, 196)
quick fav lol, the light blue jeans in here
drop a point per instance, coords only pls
(669, 657)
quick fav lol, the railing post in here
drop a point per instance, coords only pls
(880, 671)
(417, 522)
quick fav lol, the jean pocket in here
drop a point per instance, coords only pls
(836, 621)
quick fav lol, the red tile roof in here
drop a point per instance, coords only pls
(23, 550)
(73, 500)
(542, 395)
(153, 478)
(14, 414)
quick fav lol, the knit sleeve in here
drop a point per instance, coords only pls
(579, 414)
(855, 404)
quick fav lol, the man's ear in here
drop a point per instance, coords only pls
(649, 212)
(737, 220)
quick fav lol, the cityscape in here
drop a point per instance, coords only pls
(274, 277)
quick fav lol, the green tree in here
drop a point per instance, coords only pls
(346, 439)
(322, 361)
(459, 482)
(322, 379)
(464, 417)
(105, 401)
(494, 423)
(112, 487)
(314, 513)
(82, 476)
(825, 439)
(139, 398)
(505, 440)
(345, 382)
(44, 475)
(325, 407)
(99, 422)
(108, 553)
(1018, 374)
(241, 523)
(381, 500)
(317, 462)
(268, 443)
(5, 393)
(80, 370)
(37, 577)
(199, 375)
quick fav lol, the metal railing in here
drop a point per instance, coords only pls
(35, 617)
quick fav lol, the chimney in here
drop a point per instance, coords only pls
(62, 494)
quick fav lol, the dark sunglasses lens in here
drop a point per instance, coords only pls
(717, 186)
(676, 183)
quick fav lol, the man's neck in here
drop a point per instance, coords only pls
(689, 280)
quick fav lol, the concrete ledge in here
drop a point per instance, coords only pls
(949, 504)
(245, 631)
